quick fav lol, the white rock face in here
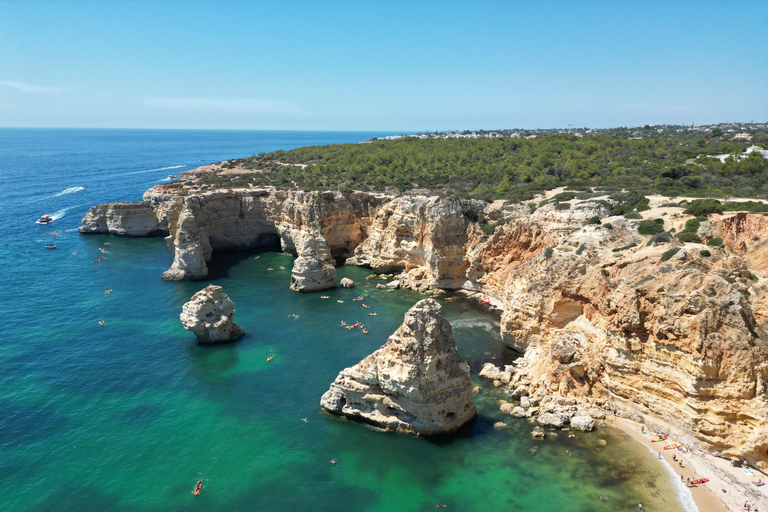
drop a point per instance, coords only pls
(209, 315)
(583, 423)
(550, 420)
(122, 219)
(347, 283)
(416, 382)
(313, 270)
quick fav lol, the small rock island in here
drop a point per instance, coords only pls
(416, 383)
(209, 315)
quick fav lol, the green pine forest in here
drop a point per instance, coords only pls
(675, 164)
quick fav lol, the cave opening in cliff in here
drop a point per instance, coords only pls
(268, 242)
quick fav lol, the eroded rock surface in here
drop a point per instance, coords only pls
(209, 315)
(416, 382)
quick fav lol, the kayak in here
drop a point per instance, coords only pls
(700, 481)
(270, 357)
(670, 446)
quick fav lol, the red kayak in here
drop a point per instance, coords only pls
(700, 481)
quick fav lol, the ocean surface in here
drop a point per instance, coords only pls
(129, 415)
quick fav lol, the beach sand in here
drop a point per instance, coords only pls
(728, 487)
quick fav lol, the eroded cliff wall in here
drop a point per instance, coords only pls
(597, 313)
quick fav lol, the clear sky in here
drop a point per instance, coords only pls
(401, 66)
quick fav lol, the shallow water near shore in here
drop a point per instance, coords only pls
(129, 415)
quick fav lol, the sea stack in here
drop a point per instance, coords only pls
(415, 383)
(313, 270)
(209, 315)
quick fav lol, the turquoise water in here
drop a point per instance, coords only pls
(129, 415)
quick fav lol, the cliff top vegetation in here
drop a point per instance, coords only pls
(675, 164)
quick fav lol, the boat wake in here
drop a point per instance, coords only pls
(70, 190)
(154, 170)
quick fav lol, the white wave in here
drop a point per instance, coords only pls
(154, 170)
(70, 190)
(683, 493)
(465, 323)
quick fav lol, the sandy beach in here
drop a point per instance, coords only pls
(728, 489)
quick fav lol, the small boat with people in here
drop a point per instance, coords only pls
(44, 219)
(198, 487)
(270, 357)
(171, 177)
(50, 246)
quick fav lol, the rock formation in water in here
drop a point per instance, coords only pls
(313, 270)
(209, 315)
(416, 382)
(600, 316)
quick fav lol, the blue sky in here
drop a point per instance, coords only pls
(401, 66)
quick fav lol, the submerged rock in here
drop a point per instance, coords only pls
(416, 382)
(209, 315)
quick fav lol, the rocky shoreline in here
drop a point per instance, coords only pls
(605, 318)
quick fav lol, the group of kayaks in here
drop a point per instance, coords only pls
(354, 326)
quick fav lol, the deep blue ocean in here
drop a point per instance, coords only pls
(129, 415)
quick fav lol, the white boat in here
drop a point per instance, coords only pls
(45, 219)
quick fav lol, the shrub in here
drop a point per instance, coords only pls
(650, 227)
(562, 206)
(688, 237)
(581, 249)
(487, 228)
(629, 246)
(532, 207)
(548, 252)
(704, 207)
(608, 225)
(668, 254)
(715, 242)
(595, 220)
(389, 213)
(632, 215)
(705, 253)
(692, 225)
(661, 238)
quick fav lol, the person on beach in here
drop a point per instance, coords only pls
(659, 453)
(688, 481)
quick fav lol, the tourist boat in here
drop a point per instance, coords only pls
(171, 177)
(45, 219)
(50, 246)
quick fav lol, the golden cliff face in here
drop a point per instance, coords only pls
(681, 343)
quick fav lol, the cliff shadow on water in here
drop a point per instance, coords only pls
(223, 261)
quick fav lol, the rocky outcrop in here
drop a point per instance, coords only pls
(416, 382)
(347, 283)
(598, 315)
(122, 219)
(425, 239)
(313, 270)
(209, 315)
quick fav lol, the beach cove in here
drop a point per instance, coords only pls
(129, 415)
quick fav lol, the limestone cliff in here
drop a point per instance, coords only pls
(678, 340)
(416, 382)
(209, 315)
(426, 239)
